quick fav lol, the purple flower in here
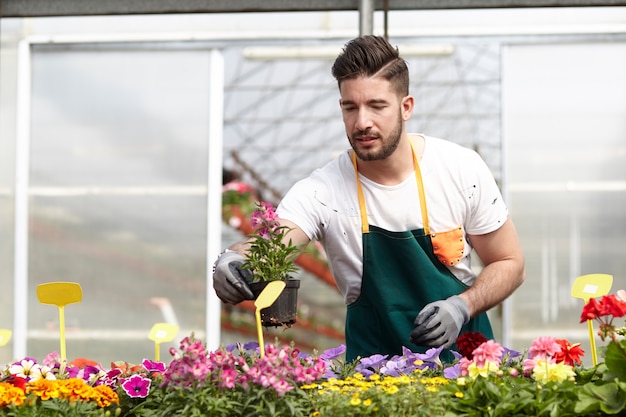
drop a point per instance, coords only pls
(396, 366)
(452, 372)
(251, 346)
(232, 346)
(431, 357)
(334, 353)
(371, 364)
(136, 386)
(509, 354)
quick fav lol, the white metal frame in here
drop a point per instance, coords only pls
(22, 190)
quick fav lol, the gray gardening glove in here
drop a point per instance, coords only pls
(439, 323)
(230, 281)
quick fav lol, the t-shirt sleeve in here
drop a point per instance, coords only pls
(488, 209)
(303, 205)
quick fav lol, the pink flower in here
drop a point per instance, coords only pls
(488, 351)
(229, 378)
(543, 348)
(529, 365)
(137, 386)
(282, 387)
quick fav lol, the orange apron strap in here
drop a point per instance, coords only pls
(365, 226)
(420, 190)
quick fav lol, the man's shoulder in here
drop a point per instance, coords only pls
(333, 169)
(446, 144)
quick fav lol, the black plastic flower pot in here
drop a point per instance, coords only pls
(283, 311)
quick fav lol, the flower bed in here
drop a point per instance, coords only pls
(486, 379)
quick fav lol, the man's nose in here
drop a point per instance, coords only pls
(363, 120)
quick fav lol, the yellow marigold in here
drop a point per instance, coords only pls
(74, 389)
(355, 400)
(391, 389)
(367, 402)
(105, 396)
(436, 380)
(459, 394)
(43, 388)
(10, 394)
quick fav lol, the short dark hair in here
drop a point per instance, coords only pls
(372, 56)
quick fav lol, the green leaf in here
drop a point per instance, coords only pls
(608, 398)
(615, 360)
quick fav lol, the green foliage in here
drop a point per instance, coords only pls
(270, 255)
(508, 396)
(59, 408)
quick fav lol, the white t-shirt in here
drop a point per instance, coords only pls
(459, 188)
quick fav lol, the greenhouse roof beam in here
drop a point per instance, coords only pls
(49, 8)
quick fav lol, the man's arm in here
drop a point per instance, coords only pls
(439, 323)
(503, 272)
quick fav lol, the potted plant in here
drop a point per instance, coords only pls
(271, 256)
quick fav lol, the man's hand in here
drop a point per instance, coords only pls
(439, 323)
(230, 281)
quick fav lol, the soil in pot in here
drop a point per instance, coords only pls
(283, 311)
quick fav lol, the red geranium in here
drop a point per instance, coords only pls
(569, 354)
(609, 305)
(604, 311)
(468, 341)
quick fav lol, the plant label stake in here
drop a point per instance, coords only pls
(587, 287)
(5, 336)
(60, 294)
(162, 332)
(267, 297)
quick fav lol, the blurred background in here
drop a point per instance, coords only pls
(108, 141)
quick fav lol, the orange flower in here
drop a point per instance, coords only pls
(10, 394)
(43, 388)
(126, 368)
(83, 362)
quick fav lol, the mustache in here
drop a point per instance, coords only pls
(367, 132)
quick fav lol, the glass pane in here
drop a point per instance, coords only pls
(119, 146)
(567, 178)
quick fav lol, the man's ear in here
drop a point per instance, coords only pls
(407, 107)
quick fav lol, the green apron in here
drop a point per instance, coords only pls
(401, 274)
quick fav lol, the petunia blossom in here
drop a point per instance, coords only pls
(137, 386)
(334, 353)
(153, 366)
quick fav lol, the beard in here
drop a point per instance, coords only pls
(389, 144)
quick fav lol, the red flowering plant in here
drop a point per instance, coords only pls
(605, 310)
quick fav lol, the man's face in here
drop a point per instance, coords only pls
(373, 115)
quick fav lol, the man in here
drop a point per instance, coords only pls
(398, 215)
